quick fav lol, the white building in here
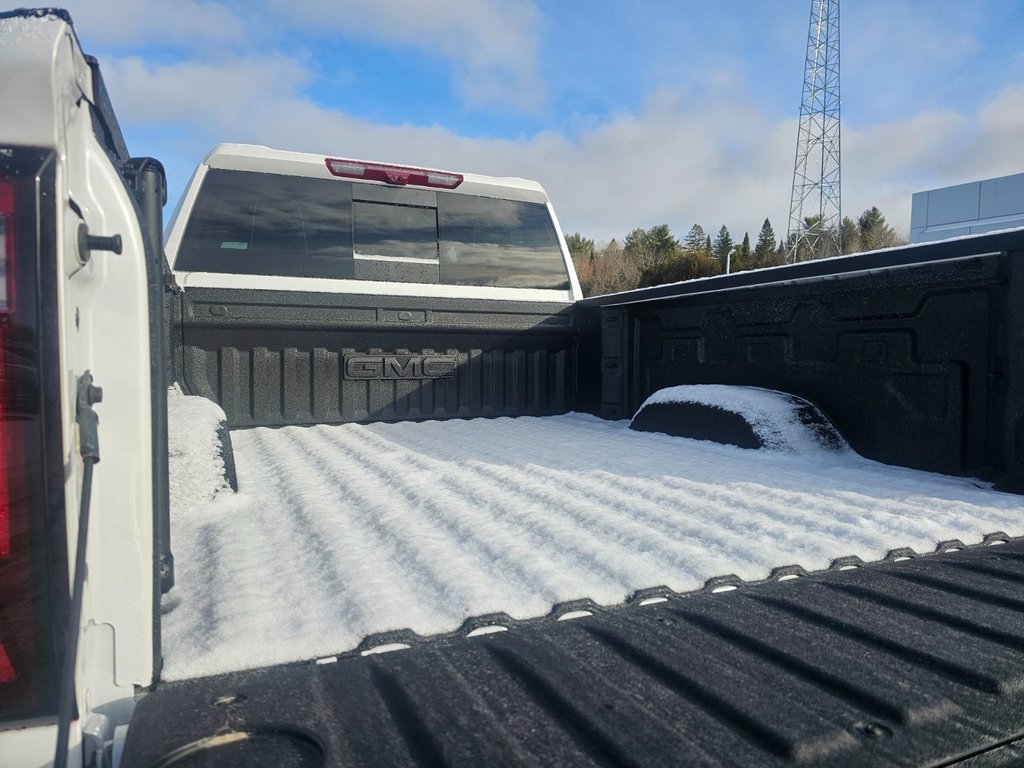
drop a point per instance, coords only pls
(967, 209)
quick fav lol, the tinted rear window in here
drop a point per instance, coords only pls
(266, 224)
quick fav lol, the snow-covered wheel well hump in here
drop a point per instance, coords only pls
(748, 417)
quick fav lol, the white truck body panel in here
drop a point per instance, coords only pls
(45, 84)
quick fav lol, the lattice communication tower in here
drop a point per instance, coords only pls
(817, 184)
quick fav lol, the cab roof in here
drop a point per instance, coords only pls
(258, 158)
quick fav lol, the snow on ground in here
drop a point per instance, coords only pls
(194, 450)
(338, 532)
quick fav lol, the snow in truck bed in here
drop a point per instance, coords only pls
(338, 532)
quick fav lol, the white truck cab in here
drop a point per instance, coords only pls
(255, 217)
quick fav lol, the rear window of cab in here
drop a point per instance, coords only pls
(267, 224)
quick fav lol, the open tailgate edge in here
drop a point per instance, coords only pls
(909, 662)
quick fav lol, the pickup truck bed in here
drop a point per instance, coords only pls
(370, 594)
(376, 509)
(341, 532)
(905, 663)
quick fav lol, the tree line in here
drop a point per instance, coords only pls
(655, 256)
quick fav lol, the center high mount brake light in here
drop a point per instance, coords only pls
(393, 174)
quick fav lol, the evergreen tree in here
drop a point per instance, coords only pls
(696, 239)
(654, 256)
(818, 241)
(743, 257)
(647, 247)
(580, 248)
(812, 227)
(722, 247)
(851, 236)
(663, 240)
(874, 232)
(764, 251)
(685, 265)
(635, 240)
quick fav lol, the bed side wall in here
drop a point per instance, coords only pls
(919, 365)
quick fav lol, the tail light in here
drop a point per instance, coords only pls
(6, 301)
(7, 229)
(393, 174)
(33, 570)
(6, 670)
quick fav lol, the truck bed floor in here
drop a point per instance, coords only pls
(339, 532)
(916, 663)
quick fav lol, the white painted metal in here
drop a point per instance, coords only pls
(46, 86)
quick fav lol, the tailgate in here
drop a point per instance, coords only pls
(272, 358)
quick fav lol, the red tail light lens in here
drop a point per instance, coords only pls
(6, 305)
(9, 439)
(33, 536)
(393, 174)
(6, 670)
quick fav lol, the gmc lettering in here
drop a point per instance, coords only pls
(373, 367)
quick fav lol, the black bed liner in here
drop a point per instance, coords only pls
(916, 354)
(915, 661)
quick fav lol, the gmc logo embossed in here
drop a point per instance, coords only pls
(372, 367)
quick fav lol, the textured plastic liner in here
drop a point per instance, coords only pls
(915, 354)
(907, 662)
(272, 358)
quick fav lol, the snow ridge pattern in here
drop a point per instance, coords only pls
(339, 532)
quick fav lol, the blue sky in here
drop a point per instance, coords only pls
(630, 114)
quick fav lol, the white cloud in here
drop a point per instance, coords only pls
(896, 51)
(880, 33)
(227, 93)
(491, 45)
(133, 23)
(1000, 132)
(682, 158)
(885, 163)
(675, 162)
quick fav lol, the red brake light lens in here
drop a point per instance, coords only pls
(7, 673)
(6, 669)
(33, 579)
(5, 495)
(393, 174)
(6, 305)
